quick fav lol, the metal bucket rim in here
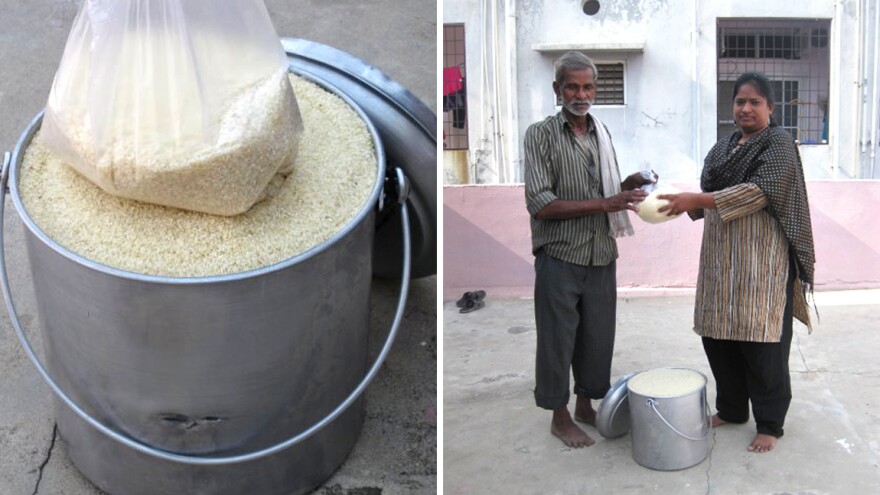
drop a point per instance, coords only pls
(666, 397)
(34, 125)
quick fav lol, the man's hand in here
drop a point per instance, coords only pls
(624, 200)
(636, 181)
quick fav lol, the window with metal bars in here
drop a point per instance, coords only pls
(795, 57)
(455, 132)
(785, 46)
(610, 88)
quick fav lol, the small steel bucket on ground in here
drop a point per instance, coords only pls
(244, 383)
(670, 433)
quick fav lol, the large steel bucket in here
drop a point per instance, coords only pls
(670, 433)
(237, 384)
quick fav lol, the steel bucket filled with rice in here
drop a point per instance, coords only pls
(195, 353)
(667, 412)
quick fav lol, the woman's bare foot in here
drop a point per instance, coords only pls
(584, 412)
(564, 428)
(716, 421)
(762, 443)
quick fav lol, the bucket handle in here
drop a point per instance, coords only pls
(399, 184)
(653, 405)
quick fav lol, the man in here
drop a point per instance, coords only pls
(577, 205)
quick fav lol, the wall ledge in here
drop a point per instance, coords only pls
(636, 47)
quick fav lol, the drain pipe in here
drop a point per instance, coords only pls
(875, 113)
(484, 75)
(861, 94)
(835, 126)
(498, 136)
(514, 174)
(863, 80)
(695, 92)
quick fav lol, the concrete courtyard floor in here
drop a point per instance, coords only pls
(497, 441)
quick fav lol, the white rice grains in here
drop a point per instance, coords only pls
(666, 382)
(335, 173)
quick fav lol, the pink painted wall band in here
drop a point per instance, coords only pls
(487, 241)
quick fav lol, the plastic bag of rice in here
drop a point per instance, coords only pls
(174, 102)
(648, 208)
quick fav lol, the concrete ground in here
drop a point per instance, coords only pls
(396, 452)
(497, 441)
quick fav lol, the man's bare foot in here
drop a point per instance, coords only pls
(584, 412)
(564, 428)
(762, 443)
(716, 421)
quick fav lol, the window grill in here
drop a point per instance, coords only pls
(455, 132)
(792, 53)
(610, 90)
(784, 46)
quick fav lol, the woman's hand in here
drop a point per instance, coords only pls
(686, 201)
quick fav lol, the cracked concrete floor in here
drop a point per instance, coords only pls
(497, 441)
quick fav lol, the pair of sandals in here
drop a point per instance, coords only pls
(471, 301)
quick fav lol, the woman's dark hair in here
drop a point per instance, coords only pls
(761, 85)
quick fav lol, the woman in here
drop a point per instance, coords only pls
(756, 262)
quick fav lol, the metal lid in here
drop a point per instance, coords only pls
(408, 131)
(612, 419)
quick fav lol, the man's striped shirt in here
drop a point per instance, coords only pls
(557, 166)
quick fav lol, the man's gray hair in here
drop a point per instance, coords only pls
(572, 61)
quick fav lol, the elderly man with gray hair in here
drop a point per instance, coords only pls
(577, 204)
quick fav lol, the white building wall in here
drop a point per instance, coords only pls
(656, 122)
(677, 73)
(490, 29)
